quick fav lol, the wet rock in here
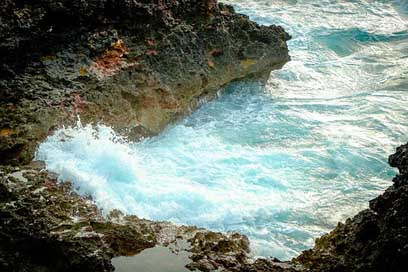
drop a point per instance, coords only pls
(137, 66)
(134, 65)
(46, 226)
(400, 159)
(272, 265)
(376, 239)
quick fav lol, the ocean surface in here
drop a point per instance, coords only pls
(281, 162)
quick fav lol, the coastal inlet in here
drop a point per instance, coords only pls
(281, 162)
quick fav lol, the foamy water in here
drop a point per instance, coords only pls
(281, 163)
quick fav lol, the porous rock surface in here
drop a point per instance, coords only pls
(134, 65)
(376, 239)
(45, 226)
(138, 65)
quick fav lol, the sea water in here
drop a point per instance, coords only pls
(281, 162)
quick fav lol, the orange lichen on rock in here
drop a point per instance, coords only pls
(4, 132)
(111, 61)
(83, 71)
(211, 64)
(246, 64)
(48, 58)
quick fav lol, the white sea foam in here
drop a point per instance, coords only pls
(282, 163)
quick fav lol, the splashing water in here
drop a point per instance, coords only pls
(281, 163)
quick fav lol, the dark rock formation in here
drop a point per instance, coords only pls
(376, 239)
(135, 65)
(44, 226)
(138, 65)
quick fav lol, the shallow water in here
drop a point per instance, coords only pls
(282, 163)
(147, 261)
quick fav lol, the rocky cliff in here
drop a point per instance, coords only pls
(137, 66)
(45, 226)
(376, 239)
(134, 65)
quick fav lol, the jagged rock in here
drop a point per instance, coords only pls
(138, 65)
(134, 65)
(376, 239)
(45, 226)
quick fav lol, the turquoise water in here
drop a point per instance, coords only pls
(281, 162)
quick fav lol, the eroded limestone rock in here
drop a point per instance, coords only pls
(46, 226)
(134, 65)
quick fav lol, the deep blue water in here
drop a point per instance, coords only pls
(281, 162)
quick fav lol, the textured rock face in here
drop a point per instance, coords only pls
(374, 240)
(138, 65)
(44, 226)
(134, 65)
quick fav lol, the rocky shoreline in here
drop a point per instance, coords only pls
(133, 65)
(137, 66)
(46, 226)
